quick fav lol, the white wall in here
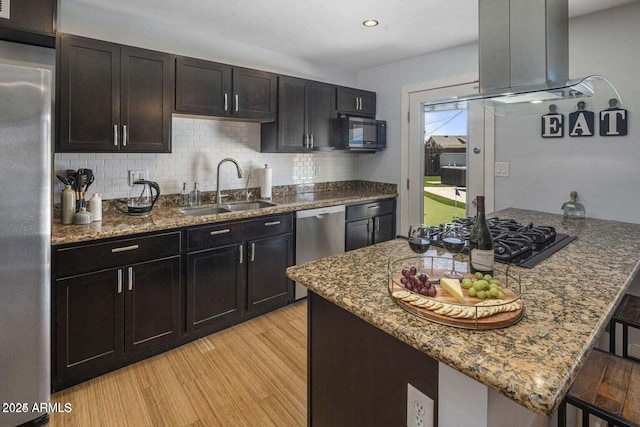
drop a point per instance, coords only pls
(602, 170)
(79, 19)
(198, 145)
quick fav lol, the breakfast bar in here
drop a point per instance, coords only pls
(469, 374)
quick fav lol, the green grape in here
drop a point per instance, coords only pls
(467, 285)
(466, 280)
(500, 295)
(494, 292)
(481, 294)
(472, 292)
(497, 282)
(479, 275)
(493, 286)
(487, 277)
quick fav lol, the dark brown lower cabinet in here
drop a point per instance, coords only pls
(236, 270)
(107, 317)
(267, 286)
(358, 374)
(215, 287)
(369, 223)
(118, 301)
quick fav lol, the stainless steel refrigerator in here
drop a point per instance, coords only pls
(25, 230)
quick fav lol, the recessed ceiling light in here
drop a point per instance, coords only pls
(370, 23)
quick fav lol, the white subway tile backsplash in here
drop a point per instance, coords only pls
(198, 146)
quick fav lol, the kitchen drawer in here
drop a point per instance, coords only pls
(216, 235)
(83, 258)
(238, 231)
(369, 210)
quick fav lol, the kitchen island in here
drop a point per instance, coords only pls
(568, 298)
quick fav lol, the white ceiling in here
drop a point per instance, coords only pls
(329, 31)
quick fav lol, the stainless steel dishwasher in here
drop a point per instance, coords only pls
(319, 233)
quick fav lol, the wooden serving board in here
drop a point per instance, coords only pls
(483, 321)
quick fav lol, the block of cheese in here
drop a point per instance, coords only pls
(453, 287)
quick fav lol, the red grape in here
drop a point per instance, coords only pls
(432, 291)
(413, 271)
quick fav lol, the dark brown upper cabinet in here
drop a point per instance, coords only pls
(213, 89)
(29, 21)
(307, 118)
(356, 102)
(112, 98)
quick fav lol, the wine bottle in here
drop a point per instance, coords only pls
(481, 254)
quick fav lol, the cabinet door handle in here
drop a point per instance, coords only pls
(125, 248)
(355, 101)
(115, 135)
(268, 224)
(119, 281)
(130, 278)
(253, 252)
(241, 247)
(124, 135)
(226, 102)
(368, 225)
(376, 223)
(216, 232)
(237, 102)
(311, 139)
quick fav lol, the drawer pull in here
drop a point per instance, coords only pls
(130, 278)
(373, 207)
(119, 281)
(216, 232)
(125, 248)
(268, 224)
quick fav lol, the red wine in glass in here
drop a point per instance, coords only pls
(419, 238)
(453, 244)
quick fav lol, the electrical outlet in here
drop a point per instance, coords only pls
(137, 174)
(316, 170)
(419, 408)
(502, 169)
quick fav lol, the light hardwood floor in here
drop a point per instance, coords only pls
(253, 374)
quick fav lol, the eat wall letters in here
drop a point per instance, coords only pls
(612, 122)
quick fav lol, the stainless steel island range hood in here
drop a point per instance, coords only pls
(524, 54)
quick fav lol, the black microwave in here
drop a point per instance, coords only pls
(363, 134)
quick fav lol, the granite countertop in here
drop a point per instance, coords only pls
(569, 299)
(164, 217)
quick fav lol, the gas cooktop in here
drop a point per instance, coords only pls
(524, 245)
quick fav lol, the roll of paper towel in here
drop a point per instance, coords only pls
(265, 180)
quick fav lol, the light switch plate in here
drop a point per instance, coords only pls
(502, 169)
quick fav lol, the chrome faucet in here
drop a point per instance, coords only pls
(240, 175)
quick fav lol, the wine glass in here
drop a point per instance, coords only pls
(419, 238)
(453, 241)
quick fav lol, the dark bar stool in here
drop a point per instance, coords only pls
(628, 315)
(607, 386)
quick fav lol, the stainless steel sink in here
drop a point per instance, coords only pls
(231, 207)
(203, 210)
(245, 206)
